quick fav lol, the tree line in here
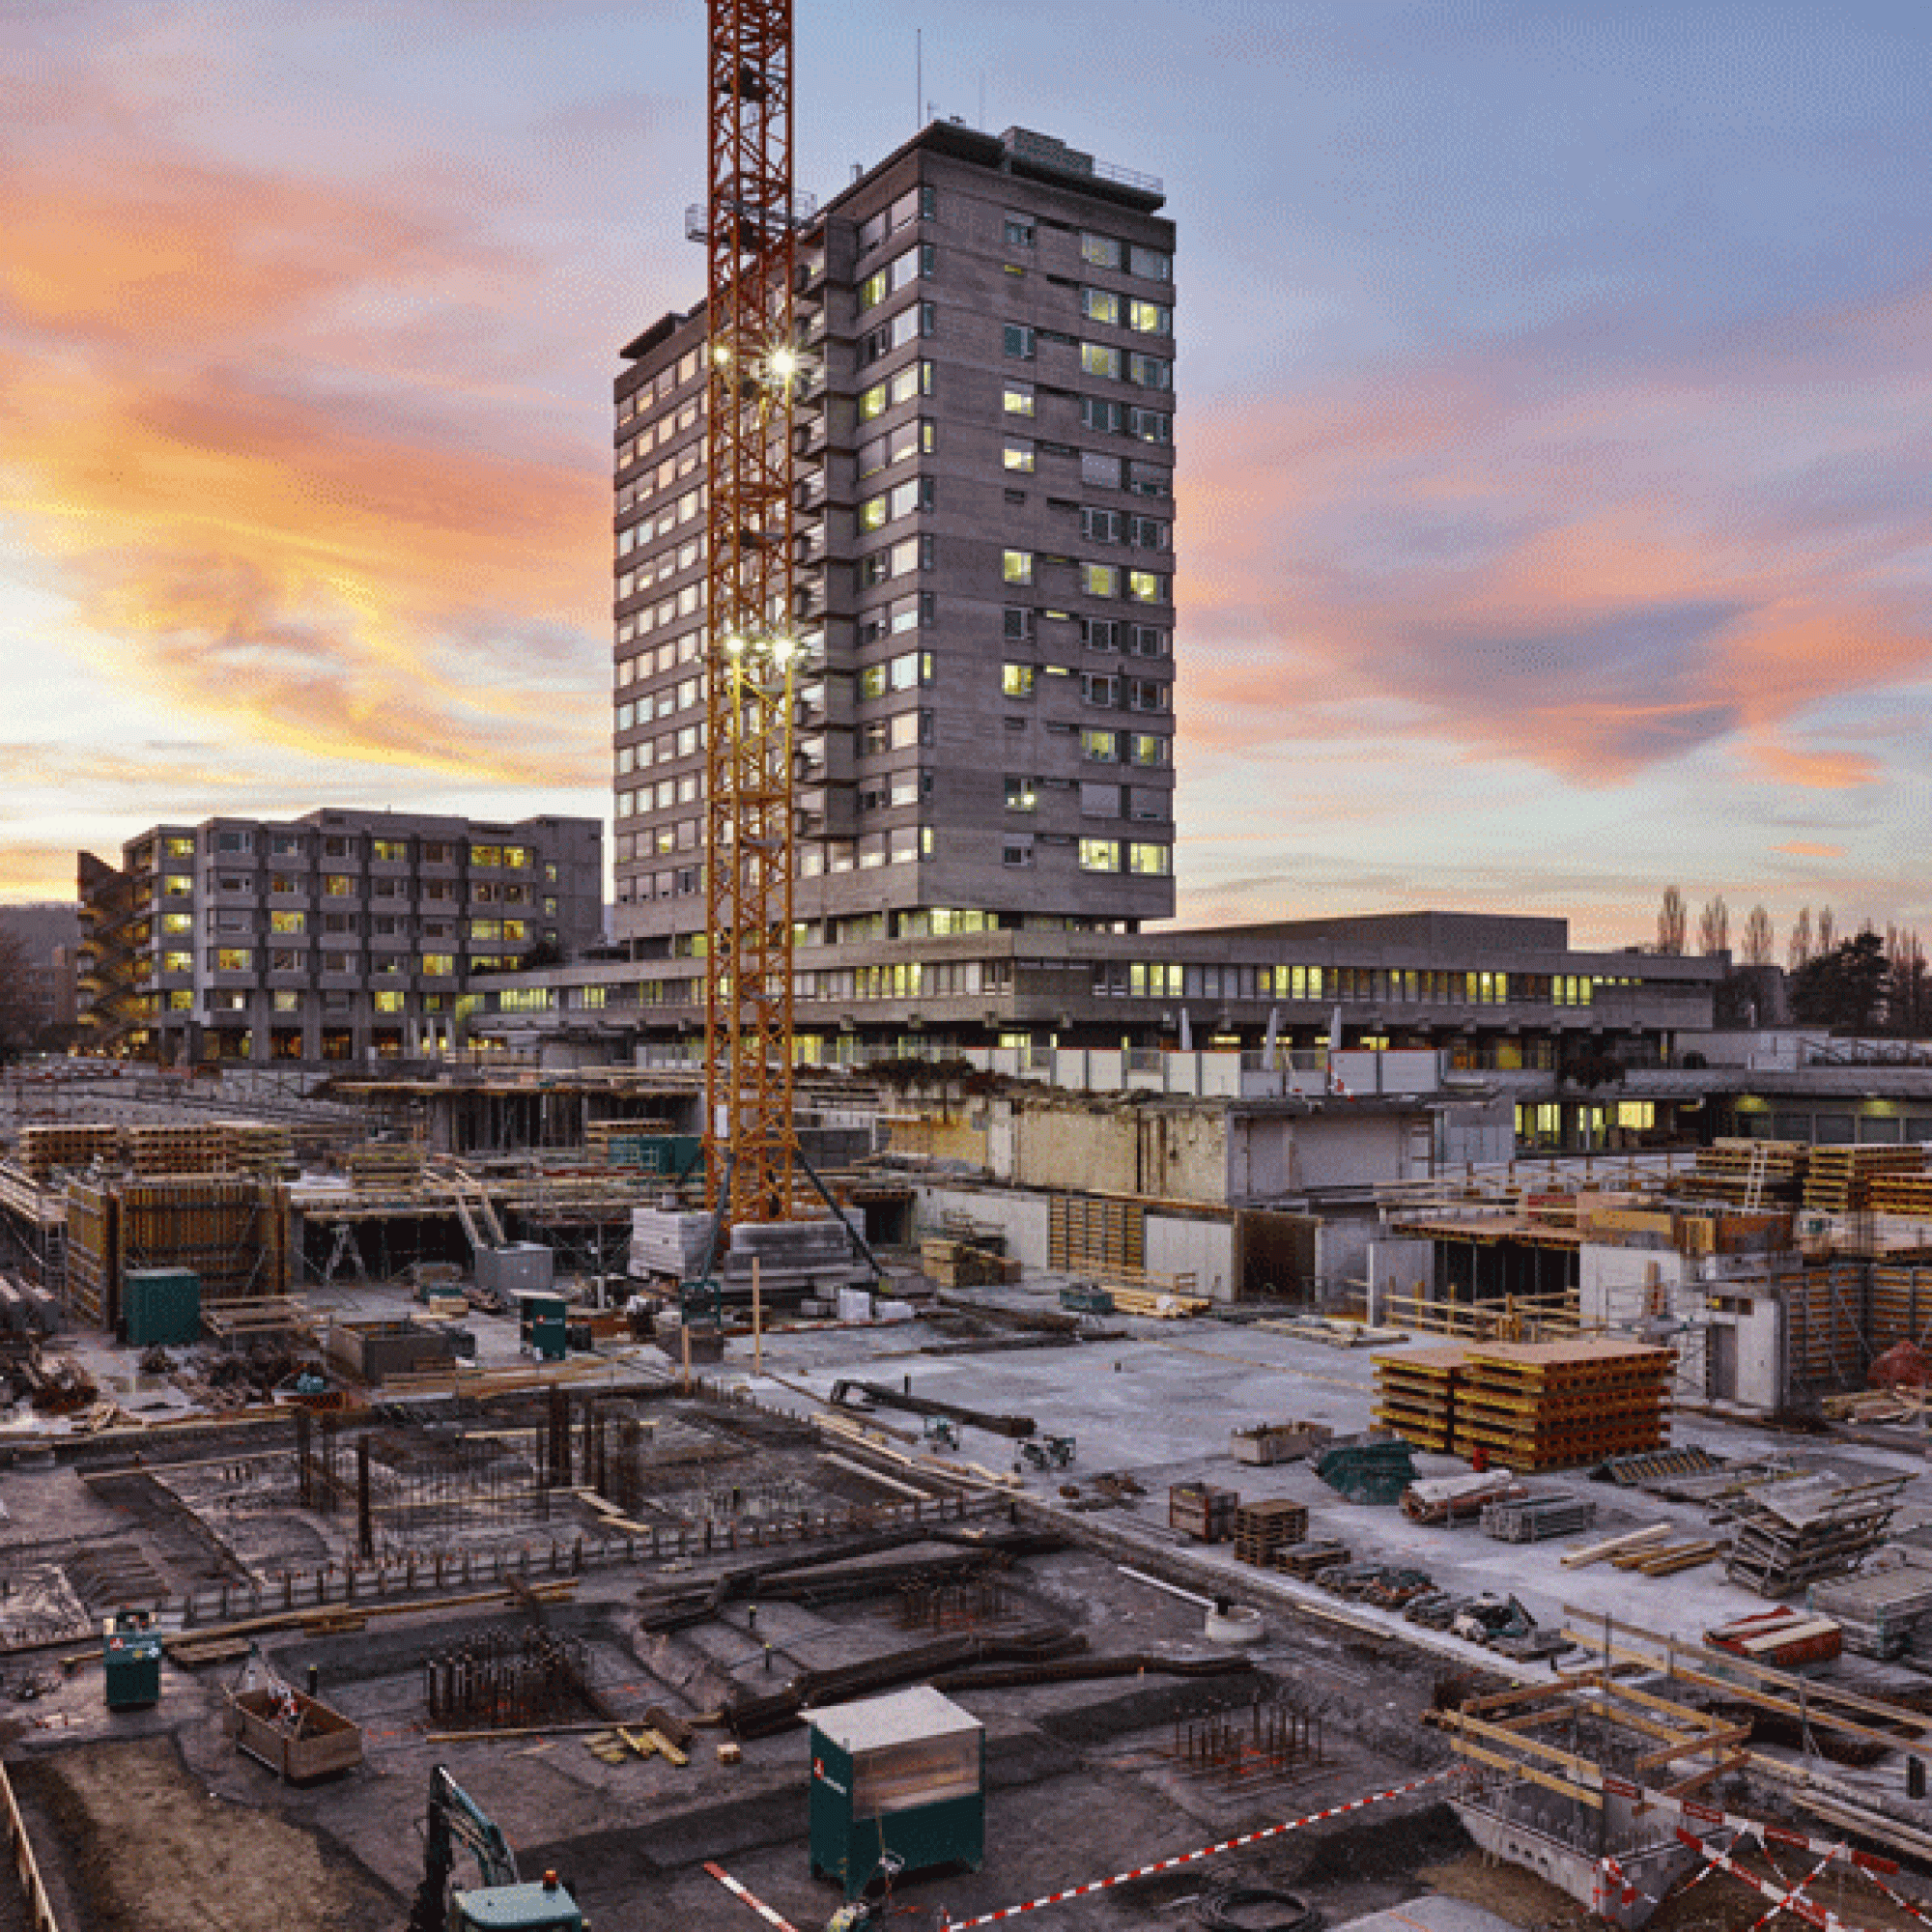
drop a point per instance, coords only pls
(1868, 982)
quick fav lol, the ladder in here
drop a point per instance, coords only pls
(1754, 1176)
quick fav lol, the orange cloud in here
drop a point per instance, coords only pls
(267, 538)
(1804, 848)
(1817, 771)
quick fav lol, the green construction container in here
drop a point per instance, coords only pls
(160, 1307)
(666, 1154)
(534, 1309)
(905, 1774)
(131, 1650)
(550, 1336)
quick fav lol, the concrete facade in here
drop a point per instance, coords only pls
(340, 936)
(985, 557)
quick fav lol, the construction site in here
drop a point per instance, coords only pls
(1167, 1488)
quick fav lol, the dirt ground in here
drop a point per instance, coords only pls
(137, 1842)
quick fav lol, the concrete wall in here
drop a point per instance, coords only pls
(1200, 1246)
(1399, 1266)
(1271, 1155)
(1171, 1154)
(1022, 1216)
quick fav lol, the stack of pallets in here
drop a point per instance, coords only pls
(70, 1145)
(255, 1146)
(1839, 1180)
(1883, 1614)
(382, 1164)
(1310, 1559)
(1263, 1529)
(1735, 1171)
(1789, 1535)
(1899, 1192)
(1415, 1395)
(1533, 1405)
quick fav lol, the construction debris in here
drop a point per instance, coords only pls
(1800, 1533)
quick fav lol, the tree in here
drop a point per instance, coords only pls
(1672, 920)
(1713, 926)
(1759, 941)
(19, 1015)
(1798, 948)
(1845, 989)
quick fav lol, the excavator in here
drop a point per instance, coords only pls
(503, 1902)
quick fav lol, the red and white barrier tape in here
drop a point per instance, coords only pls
(1818, 1870)
(744, 1897)
(1190, 1858)
(1788, 1901)
(1697, 1813)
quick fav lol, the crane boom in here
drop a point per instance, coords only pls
(752, 362)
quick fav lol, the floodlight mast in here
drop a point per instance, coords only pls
(750, 648)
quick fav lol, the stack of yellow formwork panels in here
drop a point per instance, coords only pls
(1840, 1178)
(385, 1164)
(1733, 1171)
(70, 1143)
(199, 1147)
(1530, 1406)
(92, 1274)
(255, 1146)
(1415, 1395)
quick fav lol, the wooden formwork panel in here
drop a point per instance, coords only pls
(1085, 1234)
(1899, 1308)
(1826, 1344)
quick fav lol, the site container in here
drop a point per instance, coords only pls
(666, 1154)
(131, 1650)
(161, 1307)
(905, 1774)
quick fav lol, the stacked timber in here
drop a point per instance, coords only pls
(669, 1242)
(1899, 1191)
(1789, 1535)
(1840, 1178)
(156, 1148)
(1884, 1614)
(385, 1164)
(1415, 1395)
(1264, 1530)
(957, 1263)
(255, 1146)
(46, 1148)
(1533, 1405)
(1748, 1171)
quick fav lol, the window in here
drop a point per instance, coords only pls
(1147, 318)
(1099, 801)
(1150, 372)
(1146, 693)
(1098, 359)
(899, 273)
(1099, 688)
(1101, 747)
(1111, 418)
(1151, 265)
(1020, 231)
(233, 959)
(908, 439)
(1022, 793)
(1148, 749)
(915, 494)
(486, 855)
(1150, 425)
(177, 962)
(1018, 456)
(1019, 342)
(179, 848)
(1101, 251)
(390, 851)
(1102, 525)
(338, 886)
(1100, 633)
(1099, 579)
(889, 620)
(1147, 587)
(1016, 680)
(1099, 855)
(178, 886)
(1017, 567)
(1147, 533)
(1100, 306)
(899, 673)
(1147, 640)
(287, 921)
(1018, 399)
(1100, 472)
(1016, 850)
(1147, 802)
(914, 380)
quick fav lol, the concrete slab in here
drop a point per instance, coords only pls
(1433, 1912)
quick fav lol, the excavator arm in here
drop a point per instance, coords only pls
(455, 1819)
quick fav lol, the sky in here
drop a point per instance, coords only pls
(1554, 507)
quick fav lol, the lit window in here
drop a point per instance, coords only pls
(1100, 306)
(1147, 587)
(1018, 456)
(1099, 855)
(1098, 359)
(1155, 861)
(1017, 567)
(1022, 793)
(388, 1003)
(1099, 579)
(1101, 251)
(1018, 399)
(1016, 680)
